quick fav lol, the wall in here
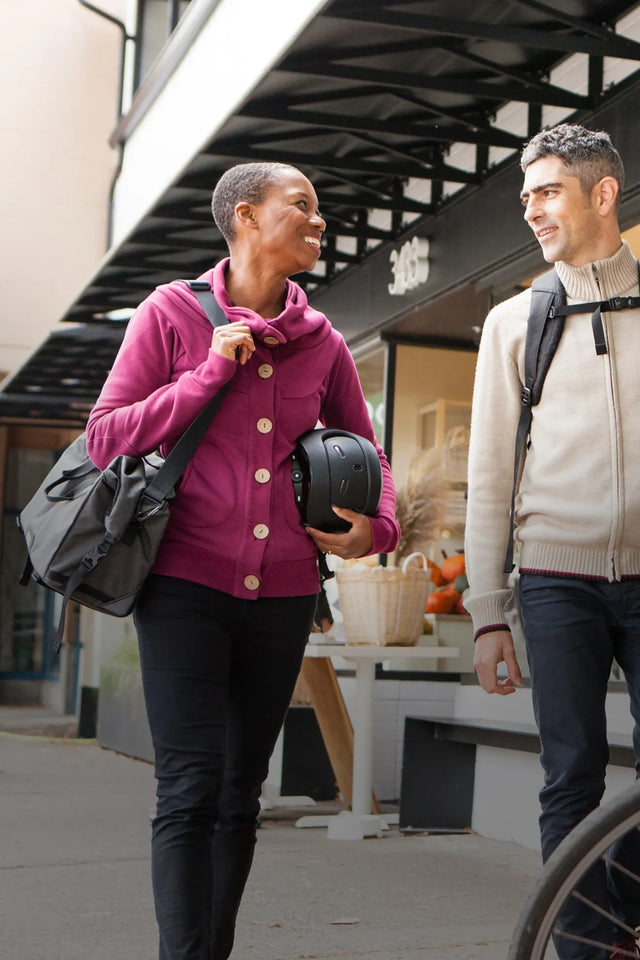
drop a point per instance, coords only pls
(59, 72)
(394, 700)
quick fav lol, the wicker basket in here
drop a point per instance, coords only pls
(383, 606)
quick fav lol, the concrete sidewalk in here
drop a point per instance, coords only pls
(74, 874)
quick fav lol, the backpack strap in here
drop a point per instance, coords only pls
(544, 329)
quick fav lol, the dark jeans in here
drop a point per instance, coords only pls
(218, 674)
(574, 630)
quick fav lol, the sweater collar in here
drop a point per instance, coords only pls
(618, 276)
(296, 319)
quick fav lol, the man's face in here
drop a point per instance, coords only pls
(563, 217)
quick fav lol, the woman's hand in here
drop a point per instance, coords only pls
(357, 542)
(233, 341)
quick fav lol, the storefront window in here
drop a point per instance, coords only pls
(26, 611)
(370, 368)
(157, 19)
(431, 417)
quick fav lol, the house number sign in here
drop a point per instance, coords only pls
(409, 266)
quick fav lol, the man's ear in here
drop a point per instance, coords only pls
(606, 193)
(245, 215)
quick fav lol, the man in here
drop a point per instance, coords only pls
(577, 518)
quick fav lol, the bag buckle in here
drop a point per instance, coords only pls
(621, 303)
(98, 553)
(144, 514)
(525, 396)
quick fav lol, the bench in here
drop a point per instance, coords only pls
(438, 767)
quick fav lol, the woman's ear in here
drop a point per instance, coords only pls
(245, 215)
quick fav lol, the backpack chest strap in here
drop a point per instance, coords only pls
(605, 306)
(597, 308)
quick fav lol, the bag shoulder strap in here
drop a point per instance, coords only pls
(175, 464)
(544, 329)
(207, 301)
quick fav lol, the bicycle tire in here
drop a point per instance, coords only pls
(564, 869)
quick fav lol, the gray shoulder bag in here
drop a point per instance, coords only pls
(92, 535)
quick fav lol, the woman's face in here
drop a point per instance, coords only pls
(290, 226)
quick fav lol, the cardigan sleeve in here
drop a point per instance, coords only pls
(144, 403)
(344, 407)
(494, 420)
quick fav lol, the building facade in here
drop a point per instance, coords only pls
(408, 117)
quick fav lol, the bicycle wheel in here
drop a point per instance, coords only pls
(580, 850)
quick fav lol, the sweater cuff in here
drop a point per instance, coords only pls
(488, 610)
(491, 628)
(385, 535)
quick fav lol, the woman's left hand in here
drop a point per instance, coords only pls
(357, 542)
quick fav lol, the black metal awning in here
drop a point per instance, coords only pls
(368, 101)
(59, 384)
(388, 106)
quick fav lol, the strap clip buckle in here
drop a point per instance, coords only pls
(621, 303)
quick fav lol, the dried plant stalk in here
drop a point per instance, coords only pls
(421, 503)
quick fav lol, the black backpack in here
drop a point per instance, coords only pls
(547, 311)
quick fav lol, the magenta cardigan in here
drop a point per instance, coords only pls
(234, 523)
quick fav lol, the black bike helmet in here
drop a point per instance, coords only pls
(335, 467)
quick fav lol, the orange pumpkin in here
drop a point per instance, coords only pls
(442, 601)
(436, 574)
(459, 606)
(452, 567)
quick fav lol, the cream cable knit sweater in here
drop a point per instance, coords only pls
(578, 503)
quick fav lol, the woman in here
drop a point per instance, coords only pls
(224, 617)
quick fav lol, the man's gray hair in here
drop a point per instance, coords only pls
(588, 155)
(244, 183)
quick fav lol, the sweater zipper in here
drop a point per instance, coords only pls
(616, 519)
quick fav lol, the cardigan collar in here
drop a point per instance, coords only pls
(296, 319)
(613, 276)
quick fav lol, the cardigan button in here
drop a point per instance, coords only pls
(251, 582)
(272, 341)
(261, 531)
(264, 425)
(265, 371)
(262, 475)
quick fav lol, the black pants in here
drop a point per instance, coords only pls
(218, 674)
(574, 630)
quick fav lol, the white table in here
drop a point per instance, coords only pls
(360, 822)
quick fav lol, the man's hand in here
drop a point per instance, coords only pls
(492, 649)
(357, 542)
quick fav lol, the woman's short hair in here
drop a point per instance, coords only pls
(244, 183)
(588, 155)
